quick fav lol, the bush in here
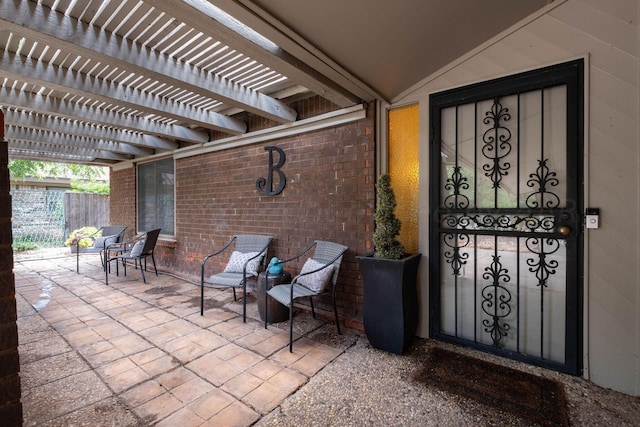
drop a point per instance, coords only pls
(24, 245)
(81, 236)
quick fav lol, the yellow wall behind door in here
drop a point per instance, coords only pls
(404, 171)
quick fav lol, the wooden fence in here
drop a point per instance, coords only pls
(83, 209)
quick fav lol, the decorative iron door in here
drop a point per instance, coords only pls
(506, 222)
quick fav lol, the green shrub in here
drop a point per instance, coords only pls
(24, 245)
(81, 236)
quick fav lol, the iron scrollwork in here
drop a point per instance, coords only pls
(497, 145)
(543, 267)
(456, 184)
(500, 222)
(453, 255)
(496, 301)
(543, 178)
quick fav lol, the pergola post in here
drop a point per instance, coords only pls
(10, 404)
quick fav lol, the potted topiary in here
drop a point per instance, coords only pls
(389, 276)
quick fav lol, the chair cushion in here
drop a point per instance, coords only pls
(238, 259)
(104, 241)
(317, 281)
(225, 279)
(137, 248)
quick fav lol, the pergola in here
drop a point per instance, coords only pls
(104, 81)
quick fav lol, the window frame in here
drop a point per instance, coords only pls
(163, 235)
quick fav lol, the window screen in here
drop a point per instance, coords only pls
(156, 196)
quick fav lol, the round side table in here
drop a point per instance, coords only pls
(276, 312)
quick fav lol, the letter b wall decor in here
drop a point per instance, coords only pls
(265, 185)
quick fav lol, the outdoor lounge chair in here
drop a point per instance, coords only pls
(318, 275)
(137, 249)
(244, 263)
(105, 236)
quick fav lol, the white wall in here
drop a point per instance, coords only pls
(605, 33)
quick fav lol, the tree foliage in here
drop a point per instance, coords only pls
(84, 178)
(96, 187)
(20, 169)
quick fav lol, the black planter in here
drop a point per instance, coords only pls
(390, 311)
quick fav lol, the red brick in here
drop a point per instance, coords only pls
(329, 196)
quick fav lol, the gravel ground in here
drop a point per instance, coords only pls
(368, 387)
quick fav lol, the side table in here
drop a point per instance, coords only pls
(276, 312)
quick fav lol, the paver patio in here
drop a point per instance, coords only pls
(137, 354)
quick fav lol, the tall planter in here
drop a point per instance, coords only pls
(390, 310)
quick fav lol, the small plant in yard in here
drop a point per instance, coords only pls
(81, 237)
(23, 245)
(387, 224)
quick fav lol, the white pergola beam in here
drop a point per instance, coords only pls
(206, 18)
(15, 119)
(41, 24)
(15, 133)
(164, 134)
(78, 84)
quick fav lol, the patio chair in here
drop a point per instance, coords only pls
(319, 275)
(136, 249)
(106, 236)
(247, 258)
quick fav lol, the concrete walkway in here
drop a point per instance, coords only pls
(134, 354)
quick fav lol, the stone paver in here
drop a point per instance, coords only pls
(141, 354)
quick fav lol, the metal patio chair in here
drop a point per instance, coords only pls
(136, 249)
(106, 236)
(319, 275)
(247, 258)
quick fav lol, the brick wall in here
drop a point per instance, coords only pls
(329, 195)
(10, 405)
(122, 203)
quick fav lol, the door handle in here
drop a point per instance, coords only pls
(564, 230)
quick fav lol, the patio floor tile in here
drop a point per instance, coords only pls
(158, 408)
(144, 352)
(143, 393)
(211, 403)
(192, 390)
(235, 415)
(242, 384)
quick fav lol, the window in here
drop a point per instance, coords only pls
(156, 196)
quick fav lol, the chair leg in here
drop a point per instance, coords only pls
(291, 326)
(266, 297)
(234, 294)
(106, 274)
(335, 311)
(201, 298)
(244, 302)
(313, 310)
(154, 264)
(142, 271)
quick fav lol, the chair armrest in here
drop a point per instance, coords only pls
(123, 246)
(298, 255)
(328, 264)
(218, 252)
